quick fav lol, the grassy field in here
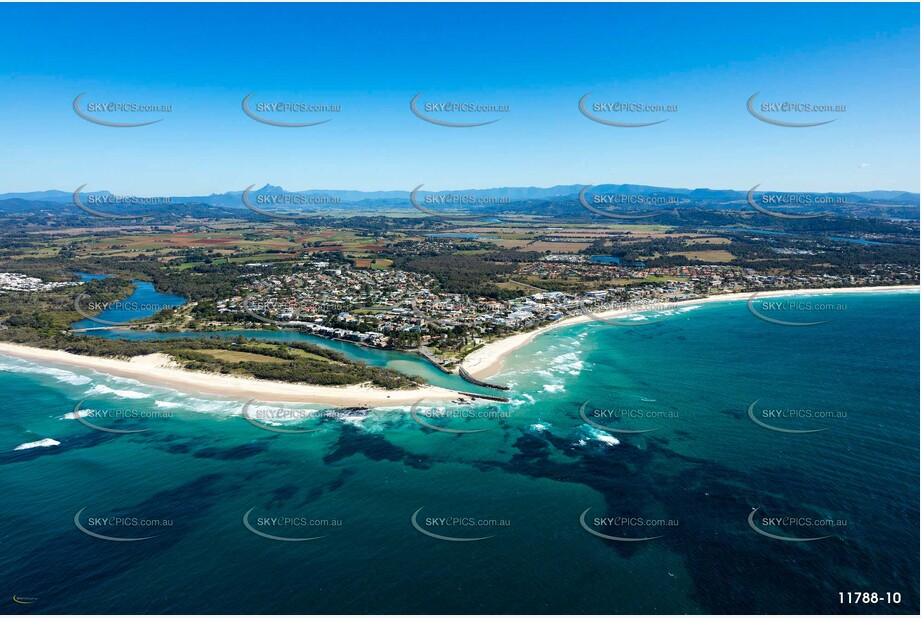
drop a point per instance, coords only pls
(294, 351)
(232, 356)
(714, 256)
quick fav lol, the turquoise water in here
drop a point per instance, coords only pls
(690, 377)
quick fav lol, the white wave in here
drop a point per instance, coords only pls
(102, 389)
(45, 442)
(568, 363)
(525, 399)
(212, 406)
(553, 388)
(169, 405)
(609, 439)
(636, 317)
(78, 414)
(61, 375)
(540, 427)
(355, 420)
(601, 436)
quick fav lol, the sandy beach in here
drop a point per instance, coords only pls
(488, 360)
(160, 370)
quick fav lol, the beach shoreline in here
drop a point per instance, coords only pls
(160, 370)
(488, 360)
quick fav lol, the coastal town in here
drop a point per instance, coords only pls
(396, 309)
(18, 282)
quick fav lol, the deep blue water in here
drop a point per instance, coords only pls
(691, 377)
(144, 302)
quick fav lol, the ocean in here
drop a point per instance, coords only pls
(700, 460)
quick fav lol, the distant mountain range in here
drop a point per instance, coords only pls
(518, 200)
(514, 194)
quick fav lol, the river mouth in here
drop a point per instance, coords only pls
(146, 301)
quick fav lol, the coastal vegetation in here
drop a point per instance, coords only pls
(479, 274)
(295, 362)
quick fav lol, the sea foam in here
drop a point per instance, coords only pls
(37, 444)
(102, 389)
(61, 375)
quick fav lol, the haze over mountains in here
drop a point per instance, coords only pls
(515, 194)
(519, 200)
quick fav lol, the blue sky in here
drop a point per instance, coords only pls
(707, 59)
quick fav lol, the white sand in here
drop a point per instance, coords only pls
(161, 370)
(487, 361)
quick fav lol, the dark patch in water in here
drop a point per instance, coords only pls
(317, 492)
(354, 441)
(242, 451)
(735, 570)
(72, 443)
(69, 563)
(736, 414)
(280, 495)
